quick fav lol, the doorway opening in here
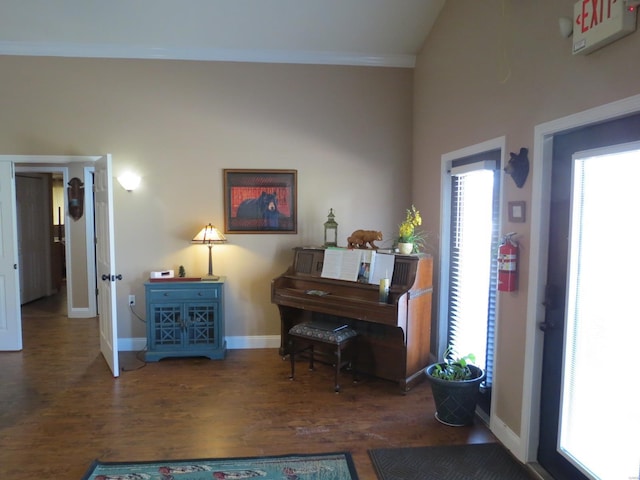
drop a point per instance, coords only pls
(98, 249)
(71, 251)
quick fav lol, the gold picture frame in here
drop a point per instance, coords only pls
(260, 201)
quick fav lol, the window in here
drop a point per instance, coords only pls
(471, 233)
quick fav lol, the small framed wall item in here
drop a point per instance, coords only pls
(517, 212)
(260, 201)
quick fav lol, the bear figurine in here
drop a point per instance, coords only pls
(360, 239)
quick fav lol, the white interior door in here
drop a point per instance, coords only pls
(10, 315)
(32, 243)
(106, 265)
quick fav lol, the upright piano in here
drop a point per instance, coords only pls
(393, 337)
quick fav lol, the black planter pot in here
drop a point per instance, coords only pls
(456, 400)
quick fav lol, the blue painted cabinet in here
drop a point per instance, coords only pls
(185, 319)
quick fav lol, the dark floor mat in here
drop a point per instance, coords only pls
(486, 461)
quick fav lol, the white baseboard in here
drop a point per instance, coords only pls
(80, 313)
(233, 343)
(132, 344)
(507, 437)
(258, 341)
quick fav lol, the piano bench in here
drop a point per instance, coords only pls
(336, 340)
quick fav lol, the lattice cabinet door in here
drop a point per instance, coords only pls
(185, 319)
(167, 325)
(201, 324)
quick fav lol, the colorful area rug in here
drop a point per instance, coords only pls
(485, 461)
(329, 466)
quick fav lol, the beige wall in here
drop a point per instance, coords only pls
(347, 130)
(482, 75)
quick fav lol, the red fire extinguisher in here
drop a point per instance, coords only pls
(508, 264)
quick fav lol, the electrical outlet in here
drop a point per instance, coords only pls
(132, 300)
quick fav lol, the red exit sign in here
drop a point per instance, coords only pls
(600, 22)
(594, 13)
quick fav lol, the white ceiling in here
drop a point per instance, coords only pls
(342, 32)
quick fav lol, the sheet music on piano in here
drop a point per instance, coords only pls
(382, 267)
(341, 264)
(354, 265)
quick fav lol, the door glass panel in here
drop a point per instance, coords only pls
(600, 420)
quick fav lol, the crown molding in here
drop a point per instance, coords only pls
(206, 54)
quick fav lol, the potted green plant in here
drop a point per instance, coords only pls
(410, 240)
(455, 383)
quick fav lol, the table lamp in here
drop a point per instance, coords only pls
(208, 236)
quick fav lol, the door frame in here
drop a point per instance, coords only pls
(540, 202)
(498, 143)
(43, 163)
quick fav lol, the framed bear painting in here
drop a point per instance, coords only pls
(260, 201)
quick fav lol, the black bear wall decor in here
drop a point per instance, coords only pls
(75, 198)
(264, 208)
(518, 166)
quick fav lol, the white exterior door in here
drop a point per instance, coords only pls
(10, 315)
(106, 265)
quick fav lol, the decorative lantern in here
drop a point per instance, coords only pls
(330, 230)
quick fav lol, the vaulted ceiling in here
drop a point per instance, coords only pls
(342, 32)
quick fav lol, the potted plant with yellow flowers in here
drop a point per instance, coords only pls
(410, 240)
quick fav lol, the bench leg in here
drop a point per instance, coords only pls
(338, 353)
(292, 358)
(354, 364)
(338, 364)
(311, 366)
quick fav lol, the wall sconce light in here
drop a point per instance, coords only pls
(566, 26)
(331, 230)
(129, 181)
(208, 236)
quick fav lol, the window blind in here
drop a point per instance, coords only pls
(474, 236)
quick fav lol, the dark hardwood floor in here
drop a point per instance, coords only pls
(60, 407)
